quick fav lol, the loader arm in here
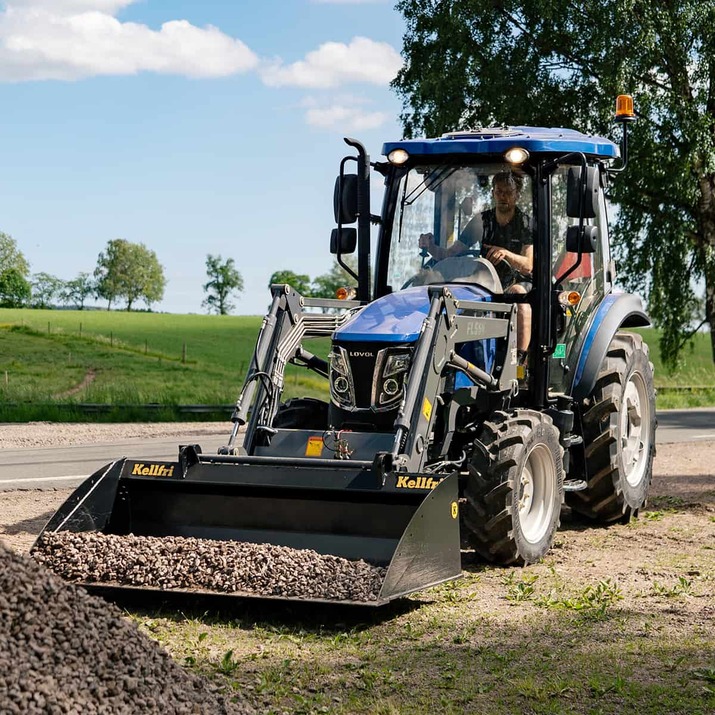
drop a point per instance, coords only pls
(449, 323)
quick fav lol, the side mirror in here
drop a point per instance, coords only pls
(343, 240)
(573, 192)
(581, 242)
(345, 199)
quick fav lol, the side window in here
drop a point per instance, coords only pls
(586, 278)
(588, 275)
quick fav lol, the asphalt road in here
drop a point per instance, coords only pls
(63, 467)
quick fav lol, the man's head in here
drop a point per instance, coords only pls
(506, 187)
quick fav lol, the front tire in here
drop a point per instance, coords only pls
(619, 422)
(514, 488)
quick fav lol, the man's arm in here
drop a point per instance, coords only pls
(439, 252)
(522, 262)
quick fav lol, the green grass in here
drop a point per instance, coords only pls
(695, 371)
(432, 654)
(136, 358)
(131, 358)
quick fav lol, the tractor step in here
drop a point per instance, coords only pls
(575, 485)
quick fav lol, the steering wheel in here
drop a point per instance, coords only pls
(508, 275)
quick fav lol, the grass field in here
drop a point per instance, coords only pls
(50, 357)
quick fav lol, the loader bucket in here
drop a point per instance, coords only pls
(405, 526)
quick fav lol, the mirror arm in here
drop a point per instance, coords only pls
(339, 255)
(364, 216)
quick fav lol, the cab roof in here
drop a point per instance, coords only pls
(496, 140)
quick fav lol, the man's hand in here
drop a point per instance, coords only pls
(496, 254)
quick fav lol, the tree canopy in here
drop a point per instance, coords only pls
(11, 256)
(298, 281)
(326, 285)
(129, 271)
(77, 290)
(562, 63)
(46, 288)
(224, 281)
(15, 288)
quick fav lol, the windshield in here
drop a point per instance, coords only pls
(447, 218)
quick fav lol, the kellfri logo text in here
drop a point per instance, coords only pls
(152, 470)
(405, 481)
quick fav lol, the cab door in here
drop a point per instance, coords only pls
(588, 279)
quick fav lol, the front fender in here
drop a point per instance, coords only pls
(617, 310)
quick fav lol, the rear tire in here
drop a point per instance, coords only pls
(618, 420)
(514, 489)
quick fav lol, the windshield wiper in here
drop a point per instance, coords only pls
(435, 183)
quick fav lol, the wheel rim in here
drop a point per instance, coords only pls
(536, 494)
(635, 429)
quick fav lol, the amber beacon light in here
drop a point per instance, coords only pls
(624, 108)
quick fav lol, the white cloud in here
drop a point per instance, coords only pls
(334, 64)
(72, 39)
(345, 114)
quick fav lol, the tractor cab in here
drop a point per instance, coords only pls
(519, 211)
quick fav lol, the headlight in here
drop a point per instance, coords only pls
(342, 391)
(392, 379)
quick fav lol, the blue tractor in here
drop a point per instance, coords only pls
(480, 374)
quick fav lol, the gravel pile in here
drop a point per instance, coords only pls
(173, 562)
(64, 651)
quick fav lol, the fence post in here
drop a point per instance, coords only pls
(80, 330)
(48, 327)
(111, 338)
(183, 353)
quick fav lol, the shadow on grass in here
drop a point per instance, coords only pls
(250, 612)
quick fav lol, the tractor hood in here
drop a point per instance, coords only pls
(398, 317)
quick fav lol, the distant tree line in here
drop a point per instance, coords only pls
(125, 271)
(129, 273)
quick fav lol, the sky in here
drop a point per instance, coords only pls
(193, 127)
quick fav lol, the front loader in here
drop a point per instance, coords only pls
(440, 428)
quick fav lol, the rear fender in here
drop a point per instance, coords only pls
(618, 310)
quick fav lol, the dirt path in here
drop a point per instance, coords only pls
(87, 380)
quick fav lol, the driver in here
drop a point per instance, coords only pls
(506, 233)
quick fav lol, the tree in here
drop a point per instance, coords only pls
(299, 281)
(130, 271)
(224, 280)
(45, 289)
(11, 256)
(15, 290)
(77, 290)
(559, 62)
